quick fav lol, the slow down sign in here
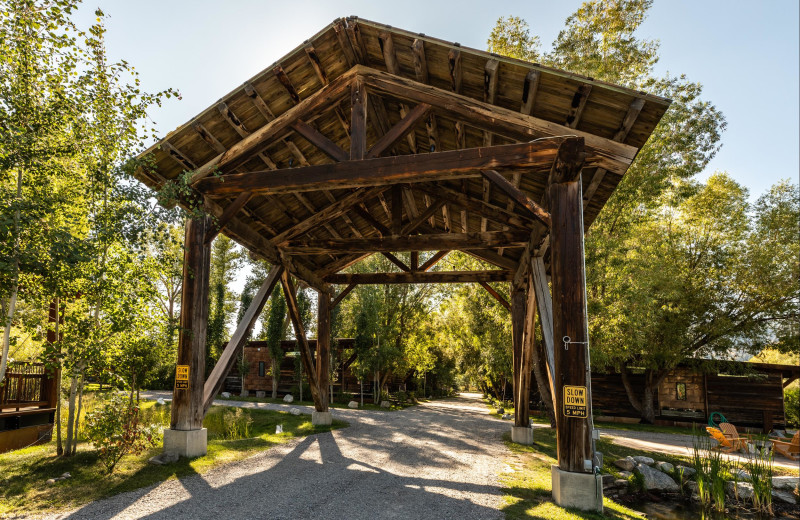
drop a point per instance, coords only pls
(575, 402)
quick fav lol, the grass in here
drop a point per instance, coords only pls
(23, 473)
(367, 406)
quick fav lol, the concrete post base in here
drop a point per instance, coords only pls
(577, 490)
(522, 435)
(321, 418)
(186, 443)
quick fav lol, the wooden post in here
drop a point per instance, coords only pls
(517, 336)
(324, 347)
(187, 397)
(358, 120)
(572, 386)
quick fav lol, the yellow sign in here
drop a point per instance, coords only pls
(575, 402)
(182, 377)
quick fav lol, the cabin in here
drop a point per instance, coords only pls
(28, 397)
(747, 394)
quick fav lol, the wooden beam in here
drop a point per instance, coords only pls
(578, 104)
(429, 263)
(327, 146)
(454, 66)
(455, 164)
(390, 58)
(187, 401)
(397, 209)
(342, 294)
(493, 258)
(230, 211)
(606, 153)
(490, 211)
(396, 261)
(242, 150)
(521, 398)
(569, 161)
(300, 333)
(517, 195)
(372, 221)
(545, 308)
(420, 63)
(287, 84)
(358, 120)
(403, 127)
(414, 261)
(323, 367)
(316, 64)
(228, 357)
(529, 89)
(496, 295)
(420, 219)
(212, 141)
(420, 277)
(621, 134)
(408, 243)
(490, 79)
(328, 213)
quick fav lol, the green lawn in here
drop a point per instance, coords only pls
(23, 473)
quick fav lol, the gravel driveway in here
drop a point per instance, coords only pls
(438, 460)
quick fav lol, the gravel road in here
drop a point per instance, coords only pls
(438, 460)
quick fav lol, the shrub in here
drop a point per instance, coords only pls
(791, 405)
(114, 430)
(229, 423)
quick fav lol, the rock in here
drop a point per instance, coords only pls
(294, 411)
(244, 393)
(164, 458)
(66, 475)
(278, 429)
(626, 464)
(789, 483)
(225, 395)
(655, 480)
(786, 497)
(666, 467)
(740, 490)
(643, 460)
(507, 416)
(686, 470)
(621, 483)
(608, 480)
(386, 404)
(500, 410)
(50, 481)
(352, 404)
(742, 475)
(625, 474)
(692, 487)
(261, 394)
(288, 398)
(160, 401)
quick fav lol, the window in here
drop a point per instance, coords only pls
(681, 391)
(260, 369)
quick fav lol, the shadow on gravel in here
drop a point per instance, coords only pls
(320, 481)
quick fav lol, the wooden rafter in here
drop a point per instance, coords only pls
(228, 213)
(420, 277)
(517, 195)
(578, 104)
(403, 127)
(496, 295)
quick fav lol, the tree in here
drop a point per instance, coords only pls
(226, 259)
(273, 334)
(512, 37)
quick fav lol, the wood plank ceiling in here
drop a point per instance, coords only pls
(423, 96)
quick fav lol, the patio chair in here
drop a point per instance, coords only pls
(789, 449)
(729, 430)
(726, 444)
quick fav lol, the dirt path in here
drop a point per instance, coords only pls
(437, 460)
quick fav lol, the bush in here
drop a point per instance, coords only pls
(229, 423)
(791, 405)
(115, 430)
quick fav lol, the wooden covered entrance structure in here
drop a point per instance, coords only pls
(369, 139)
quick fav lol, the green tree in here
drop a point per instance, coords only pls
(273, 334)
(512, 37)
(226, 259)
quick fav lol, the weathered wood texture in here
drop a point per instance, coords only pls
(521, 390)
(323, 353)
(187, 404)
(239, 338)
(420, 277)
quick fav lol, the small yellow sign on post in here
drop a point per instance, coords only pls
(575, 402)
(182, 377)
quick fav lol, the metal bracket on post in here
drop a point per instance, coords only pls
(567, 341)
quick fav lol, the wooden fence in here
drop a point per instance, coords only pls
(25, 386)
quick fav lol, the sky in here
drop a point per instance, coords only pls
(744, 53)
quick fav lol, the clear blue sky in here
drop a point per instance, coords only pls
(745, 54)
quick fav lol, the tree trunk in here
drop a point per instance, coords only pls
(648, 409)
(78, 416)
(276, 374)
(73, 389)
(57, 338)
(634, 400)
(12, 303)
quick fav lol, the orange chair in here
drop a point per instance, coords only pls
(789, 449)
(726, 444)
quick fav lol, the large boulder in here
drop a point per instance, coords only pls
(352, 404)
(294, 411)
(739, 490)
(225, 395)
(785, 497)
(288, 398)
(666, 467)
(625, 474)
(261, 394)
(655, 480)
(640, 459)
(626, 464)
(386, 404)
(686, 471)
(789, 483)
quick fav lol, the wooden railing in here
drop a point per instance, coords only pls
(25, 386)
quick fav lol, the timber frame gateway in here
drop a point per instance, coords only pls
(369, 139)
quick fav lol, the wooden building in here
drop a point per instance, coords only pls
(28, 397)
(747, 394)
(368, 139)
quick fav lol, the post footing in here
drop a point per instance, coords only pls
(522, 435)
(321, 418)
(577, 490)
(186, 443)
